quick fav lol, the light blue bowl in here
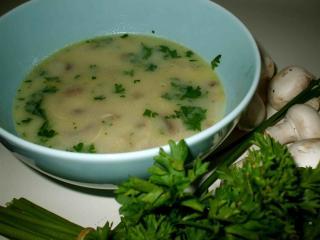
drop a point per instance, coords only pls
(36, 29)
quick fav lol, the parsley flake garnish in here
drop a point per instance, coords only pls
(182, 91)
(192, 116)
(33, 105)
(50, 89)
(100, 97)
(215, 62)
(168, 53)
(150, 113)
(82, 148)
(27, 120)
(129, 72)
(100, 42)
(151, 67)
(146, 51)
(189, 53)
(52, 79)
(93, 69)
(46, 131)
(119, 89)
(124, 35)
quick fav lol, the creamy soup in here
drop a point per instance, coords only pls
(118, 93)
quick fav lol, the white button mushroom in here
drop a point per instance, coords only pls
(253, 115)
(255, 112)
(268, 70)
(306, 153)
(270, 110)
(301, 122)
(314, 103)
(286, 84)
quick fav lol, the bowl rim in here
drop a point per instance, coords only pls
(149, 152)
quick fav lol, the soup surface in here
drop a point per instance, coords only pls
(118, 93)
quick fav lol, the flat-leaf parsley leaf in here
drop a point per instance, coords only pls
(192, 116)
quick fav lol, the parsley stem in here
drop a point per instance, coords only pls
(30, 208)
(34, 225)
(226, 156)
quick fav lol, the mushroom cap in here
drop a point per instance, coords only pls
(286, 84)
(306, 153)
(300, 122)
(305, 120)
(253, 115)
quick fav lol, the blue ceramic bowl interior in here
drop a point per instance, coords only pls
(36, 29)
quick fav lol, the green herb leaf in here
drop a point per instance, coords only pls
(151, 67)
(33, 105)
(27, 120)
(189, 53)
(151, 227)
(146, 51)
(182, 91)
(119, 89)
(81, 147)
(100, 97)
(192, 117)
(168, 53)
(77, 76)
(149, 113)
(129, 72)
(50, 89)
(46, 131)
(267, 186)
(170, 178)
(215, 62)
(78, 147)
(52, 79)
(100, 42)
(124, 35)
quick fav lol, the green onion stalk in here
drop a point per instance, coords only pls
(22, 219)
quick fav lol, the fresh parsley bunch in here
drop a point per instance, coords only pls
(154, 208)
(268, 198)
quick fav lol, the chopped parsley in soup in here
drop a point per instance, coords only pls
(118, 93)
